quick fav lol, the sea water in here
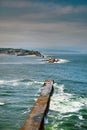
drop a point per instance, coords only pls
(21, 81)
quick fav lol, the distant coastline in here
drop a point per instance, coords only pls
(19, 52)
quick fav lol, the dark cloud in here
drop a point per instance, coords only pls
(43, 23)
(42, 12)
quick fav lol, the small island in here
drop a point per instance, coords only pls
(19, 52)
(52, 60)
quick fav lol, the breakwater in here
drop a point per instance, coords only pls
(35, 120)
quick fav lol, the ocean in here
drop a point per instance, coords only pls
(21, 81)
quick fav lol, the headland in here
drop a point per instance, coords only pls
(19, 52)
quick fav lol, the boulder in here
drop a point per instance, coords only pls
(51, 60)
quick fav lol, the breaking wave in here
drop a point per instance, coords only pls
(20, 82)
(2, 103)
(65, 102)
(60, 61)
(6, 82)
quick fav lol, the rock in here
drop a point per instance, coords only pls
(51, 60)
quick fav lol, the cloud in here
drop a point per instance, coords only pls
(15, 4)
(43, 34)
(44, 7)
(42, 24)
(41, 12)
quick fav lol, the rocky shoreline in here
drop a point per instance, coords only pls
(19, 52)
(24, 52)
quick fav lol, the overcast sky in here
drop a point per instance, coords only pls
(43, 24)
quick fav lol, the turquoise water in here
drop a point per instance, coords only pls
(21, 80)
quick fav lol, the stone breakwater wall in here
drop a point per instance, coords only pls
(35, 120)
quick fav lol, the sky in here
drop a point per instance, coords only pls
(56, 24)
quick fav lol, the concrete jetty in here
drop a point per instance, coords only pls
(35, 120)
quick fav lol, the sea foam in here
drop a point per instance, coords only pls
(2, 103)
(60, 61)
(26, 82)
(64, 102)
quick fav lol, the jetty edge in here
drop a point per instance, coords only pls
(35, 120)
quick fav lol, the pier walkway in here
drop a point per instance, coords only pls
(35, 120)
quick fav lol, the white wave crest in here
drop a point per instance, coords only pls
(34, 82)
(2, 103)
(8, 81)
(60, 61)
(64, 102)
(37, 82)
(2, 81)
(80, 117)
(20, 82)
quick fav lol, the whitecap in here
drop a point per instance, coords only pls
(2, 103)
(37, 82)
(2, 81)
(68, 115)
(15, 84)
(64, 102)
(10, 82)
(35, 99)
(27, 111)
(80, 117)
(62, 61)
(29, 83)
(34, 82)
